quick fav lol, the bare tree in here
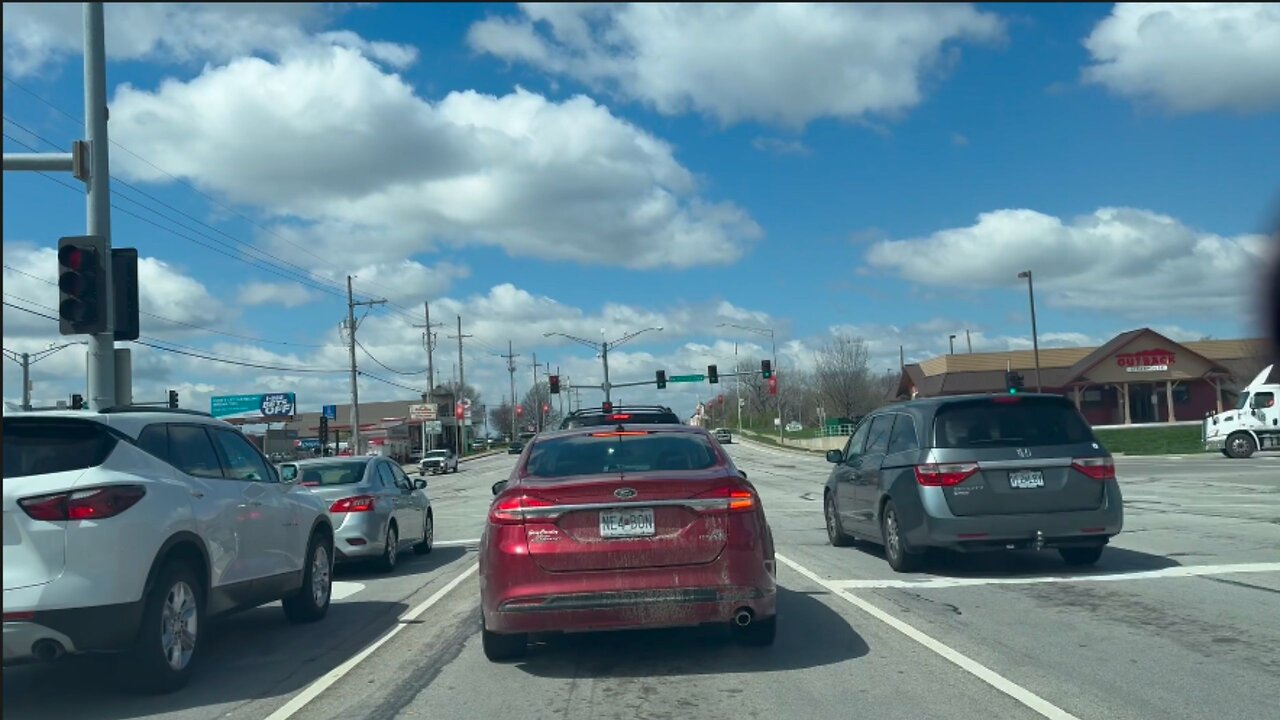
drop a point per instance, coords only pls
(500, 417)
(845, 382)
(536, 398)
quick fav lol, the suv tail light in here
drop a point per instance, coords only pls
(355, 503)
(944, 474)
(510, 510)
(1103, 468)
(89, 504)
(737, 498)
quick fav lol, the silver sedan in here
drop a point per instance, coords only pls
(375, 508)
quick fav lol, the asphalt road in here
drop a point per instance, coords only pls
(1178, 620)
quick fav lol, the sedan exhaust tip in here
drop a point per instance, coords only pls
(48, 650)
(742, 618)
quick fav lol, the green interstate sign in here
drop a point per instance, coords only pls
(686, 378)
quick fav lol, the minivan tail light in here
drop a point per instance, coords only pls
(737, 499)
(510, 510)
(90, 504)
(355, 503)
(1103, 468)
(944, 474)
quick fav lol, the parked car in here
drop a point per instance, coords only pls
(974, 472)
(438, 461)
(515, 448)
(723, 435)
(641, 526)
(375, 508)
(125, 529)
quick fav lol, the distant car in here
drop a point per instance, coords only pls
(628, 414)
(438, 461)
(126, 529)
(975, 472)
(515, 448)
(374, 507)
(723, 435)
(642, 526)
(794, 426)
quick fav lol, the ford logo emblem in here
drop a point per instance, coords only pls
(624, 493)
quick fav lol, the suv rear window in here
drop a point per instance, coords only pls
(609, 453)
(1009, 422)
(39, 446)
(622, 416)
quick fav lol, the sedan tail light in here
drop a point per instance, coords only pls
(1103, 468)
(89, 504)
(944, 474)
(510, 510)
(737, 498)
(355, 503)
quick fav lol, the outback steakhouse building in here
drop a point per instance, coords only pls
(1139, 376)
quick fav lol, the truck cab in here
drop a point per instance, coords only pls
(1253, 424)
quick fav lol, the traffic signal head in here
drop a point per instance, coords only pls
(773, 384)
(519, 410)
(77, 402)
(554, 382)
(662, 379)
(1013, 382)
(766, 368)
(606, 407)
(713, 374)
(82, 272)
(546, 408)
(173, 399)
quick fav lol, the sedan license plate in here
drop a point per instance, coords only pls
(1026, 479)
(636, 522)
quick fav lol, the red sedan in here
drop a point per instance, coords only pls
(640, 527)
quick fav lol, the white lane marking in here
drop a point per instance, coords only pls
(456, 543)
(1169, 572)
(312, 691)
(342, 589)
(960, 660)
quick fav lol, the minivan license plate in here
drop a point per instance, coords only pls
(1026, 479)
(637, 522)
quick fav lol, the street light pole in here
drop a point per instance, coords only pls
(603, 348)
(773, 343)
(1035, 337)
(952, 340)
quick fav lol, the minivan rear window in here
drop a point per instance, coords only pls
(40, 446)
(621, 416)
(1007, 422)
(612, 453)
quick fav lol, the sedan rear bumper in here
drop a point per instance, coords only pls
(628, 610)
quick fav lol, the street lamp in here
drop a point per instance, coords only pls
(1035, 338)
(603, 348)
(774, 349)
(952, 340)
(26, 360)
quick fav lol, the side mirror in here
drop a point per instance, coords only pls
(499, 486)
(835, 456)
(288, 475)
(743, 473)
(420, 484)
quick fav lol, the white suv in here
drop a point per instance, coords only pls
(125, 529)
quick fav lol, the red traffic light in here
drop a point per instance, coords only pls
(606, 407)
(773, 385)
(554, 382)
(519, 410)
(71, 257)
(546, 408)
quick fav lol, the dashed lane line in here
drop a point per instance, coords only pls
(1019, 693)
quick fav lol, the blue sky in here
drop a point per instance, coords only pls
(786, 162)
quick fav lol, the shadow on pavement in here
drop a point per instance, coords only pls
(249, 656)
(408, 564)
(1025, 563)
(810, 634)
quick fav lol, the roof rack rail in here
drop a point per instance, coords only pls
(115, 409)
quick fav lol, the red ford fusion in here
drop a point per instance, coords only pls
(641, 526)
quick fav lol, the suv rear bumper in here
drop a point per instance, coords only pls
(939, 528)
(102, 628)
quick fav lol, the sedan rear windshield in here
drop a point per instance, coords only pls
(1007, 422)
(612, 453)
(338, 473)
(39, 446)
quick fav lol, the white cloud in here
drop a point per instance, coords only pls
(1190, 56)
(288, 294)
(39, 34)
(783, 63)
(1133, 262)
(376, 172)
(780, 146)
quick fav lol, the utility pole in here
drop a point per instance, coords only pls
(968, 340)
(537, 411)
(354, 440)
(429, 343)
(511, 370)
(462, 383)
(561, 394)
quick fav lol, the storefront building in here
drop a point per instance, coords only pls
(1138, 376)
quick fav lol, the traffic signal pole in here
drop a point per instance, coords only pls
(102, 358)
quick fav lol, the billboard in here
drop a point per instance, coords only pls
(268, 406)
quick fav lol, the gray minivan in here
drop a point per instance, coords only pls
(974, 472)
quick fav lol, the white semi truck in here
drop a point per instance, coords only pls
(1254, 423)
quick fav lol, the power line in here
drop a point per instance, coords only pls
(371, 376)
(383, 366)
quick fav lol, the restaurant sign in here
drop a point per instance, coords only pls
(1146, 361)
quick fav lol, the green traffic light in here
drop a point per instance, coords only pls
(1013, 391)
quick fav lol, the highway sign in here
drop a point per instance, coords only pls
(686, 378)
